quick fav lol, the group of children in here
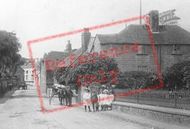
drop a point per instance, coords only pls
(97, 100)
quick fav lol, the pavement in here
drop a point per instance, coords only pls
(21, 110)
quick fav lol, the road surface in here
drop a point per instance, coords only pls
(22, 111)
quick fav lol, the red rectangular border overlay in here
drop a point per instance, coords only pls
(61, 35)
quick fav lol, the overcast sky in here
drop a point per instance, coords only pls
(31, 19)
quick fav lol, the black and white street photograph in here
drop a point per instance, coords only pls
(94, 64)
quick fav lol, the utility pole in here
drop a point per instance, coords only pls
(140, 12)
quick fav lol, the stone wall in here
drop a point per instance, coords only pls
(167, 115)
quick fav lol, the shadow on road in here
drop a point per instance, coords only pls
(6, 96)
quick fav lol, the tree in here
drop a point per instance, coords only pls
(178, 75)
(9, 57)
(96, 70)
(186, 75)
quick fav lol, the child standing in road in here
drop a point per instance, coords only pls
(87, 100)
(94, 99)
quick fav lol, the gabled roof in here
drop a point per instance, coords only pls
(91, 43)
(138, 33)
(55, 55)
(27, 65)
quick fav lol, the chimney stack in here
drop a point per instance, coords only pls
(85, 39)
(154, 20)
(69, 47)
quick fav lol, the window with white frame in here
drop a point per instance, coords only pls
(142, 49)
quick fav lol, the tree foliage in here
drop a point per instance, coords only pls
(99, 70)
(178, 75)
(137, 79)
(9, 57)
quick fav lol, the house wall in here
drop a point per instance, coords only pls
(146, 61)
(97, 46)
(46, 78)
(28, 78)
(43, 78)
(132, 61)
(168, 57)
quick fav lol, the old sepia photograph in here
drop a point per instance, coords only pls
(94, 64)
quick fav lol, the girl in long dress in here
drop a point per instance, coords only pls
(87, 100)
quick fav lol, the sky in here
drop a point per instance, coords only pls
(31, 19)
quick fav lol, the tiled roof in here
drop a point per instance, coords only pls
(54, 55)
(78, 52)
(27, 64)
(138, 33)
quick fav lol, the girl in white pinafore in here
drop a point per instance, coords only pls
(87, 100)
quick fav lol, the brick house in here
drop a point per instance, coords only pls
(171, 41)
